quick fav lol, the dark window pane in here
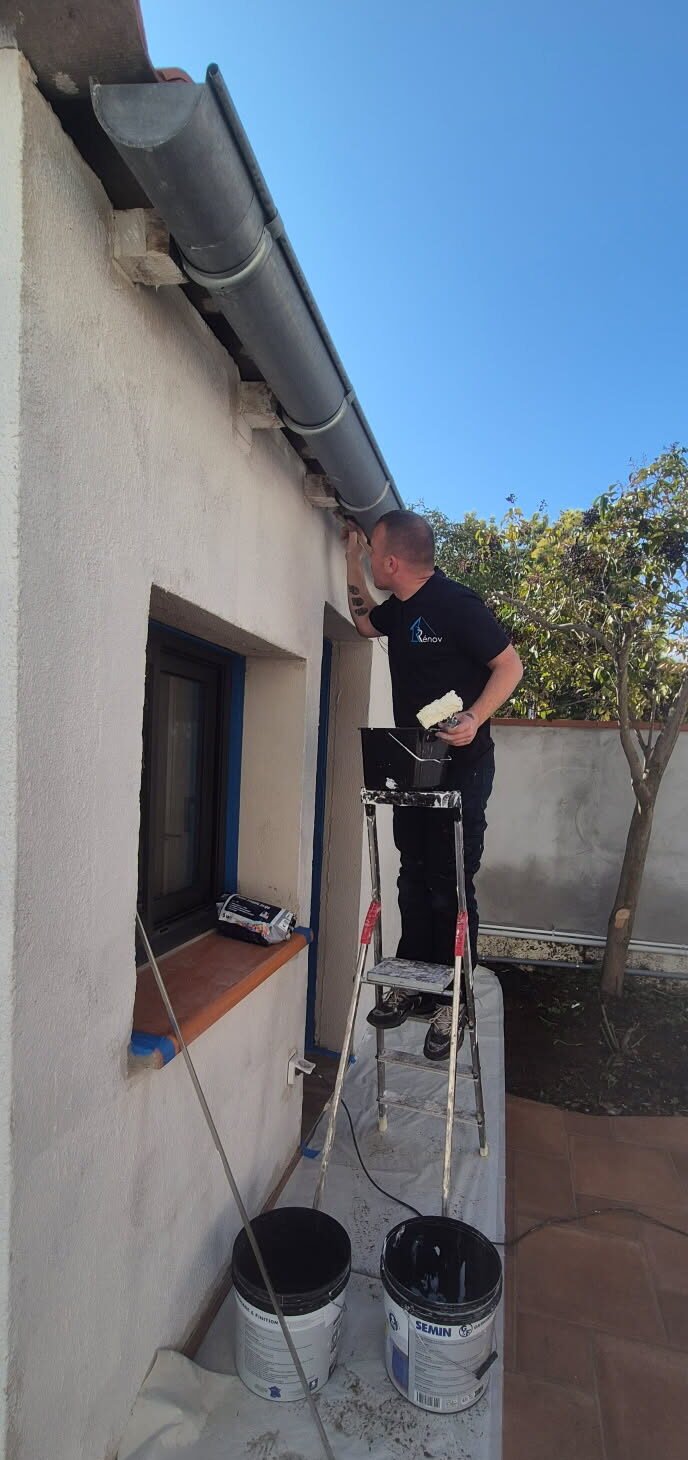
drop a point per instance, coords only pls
(182, 714)
(183, 787)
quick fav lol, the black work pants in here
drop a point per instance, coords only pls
(427, 874)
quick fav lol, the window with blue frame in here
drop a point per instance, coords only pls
(190, 780)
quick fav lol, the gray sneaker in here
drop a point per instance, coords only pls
(438, 1038)
(395, 1008)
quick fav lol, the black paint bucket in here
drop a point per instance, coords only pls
(405, 760)
(442, 1285)
(308, 1257)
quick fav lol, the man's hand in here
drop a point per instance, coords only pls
(355, 540)
(463, 732)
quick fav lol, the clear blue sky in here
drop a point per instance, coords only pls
(489, 200)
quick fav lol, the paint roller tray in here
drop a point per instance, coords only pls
(405, 760)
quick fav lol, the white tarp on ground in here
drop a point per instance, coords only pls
(186, 1411)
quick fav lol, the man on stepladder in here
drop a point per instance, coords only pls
(441, 637)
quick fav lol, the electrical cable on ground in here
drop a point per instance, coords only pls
(537, 1226)
(583, 1217)
(397, 1199)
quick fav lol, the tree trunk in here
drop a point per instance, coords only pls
(620, 926)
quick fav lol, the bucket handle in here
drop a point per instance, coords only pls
(486, 1365)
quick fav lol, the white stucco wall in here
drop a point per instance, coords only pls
(132, 476)
(558, 820)
(10, 295)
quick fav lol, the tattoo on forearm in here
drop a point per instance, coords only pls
(360, 612)
(356, 596)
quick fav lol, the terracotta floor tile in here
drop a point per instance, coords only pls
(643, 1398)
(545, 1420)
(669, 1132)
(625, 1172)
(680, 1160)
(549, 1349)
(593, 1127)
(674, 1308)
(510, 1314)
(543, 1185)
(667, 1252)
(531, 1126)
(589, 1278)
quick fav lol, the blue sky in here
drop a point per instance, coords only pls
(489, 200)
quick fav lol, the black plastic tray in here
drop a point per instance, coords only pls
(405, 760)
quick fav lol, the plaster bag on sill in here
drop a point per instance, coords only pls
(252, 921)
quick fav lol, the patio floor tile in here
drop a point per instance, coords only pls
(669, 1132)
(595, 1127)
(547, 1420)
(643, 1399)
(541, 1130)
(560, 1352)
(584, 1277)
(543, 1184)
(598, 1313)
(667, 1252)
(625, 1172)
(674, 1307)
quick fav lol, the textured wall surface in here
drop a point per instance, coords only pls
(11, 132)
(134, 475)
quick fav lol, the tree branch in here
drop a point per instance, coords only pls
(637, 767)
(669, 732)
(587, 630)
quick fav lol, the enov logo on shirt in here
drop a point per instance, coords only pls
(421, 633)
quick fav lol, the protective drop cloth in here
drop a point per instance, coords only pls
(202, 1411)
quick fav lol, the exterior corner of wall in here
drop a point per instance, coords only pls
(11, 252)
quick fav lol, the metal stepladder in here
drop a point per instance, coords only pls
(384, 971)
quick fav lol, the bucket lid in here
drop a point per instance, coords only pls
(441, 1268)
(307, 1255)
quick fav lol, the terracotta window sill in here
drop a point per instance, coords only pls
(204, 979)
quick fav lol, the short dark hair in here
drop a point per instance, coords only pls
(409, 536)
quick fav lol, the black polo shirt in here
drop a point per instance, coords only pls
(441, 638)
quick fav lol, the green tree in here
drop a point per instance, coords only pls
(599, 602)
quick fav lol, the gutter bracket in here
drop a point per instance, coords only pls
(236, 278)
(325, 425)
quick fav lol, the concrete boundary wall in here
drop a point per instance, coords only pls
(557, 825)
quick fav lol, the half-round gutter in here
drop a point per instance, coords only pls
(185, 145)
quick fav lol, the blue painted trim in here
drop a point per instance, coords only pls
(306, 933)
(146, 1044)
(318, 834)
(234, 748)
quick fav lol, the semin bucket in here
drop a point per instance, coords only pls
(442, 1285)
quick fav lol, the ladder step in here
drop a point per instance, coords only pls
(426, 1107)
(419, 1062)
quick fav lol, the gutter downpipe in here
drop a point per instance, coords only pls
(186, 146)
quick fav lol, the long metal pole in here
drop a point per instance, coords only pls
(327, 1448)
(376, 894)
(456, 1007)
